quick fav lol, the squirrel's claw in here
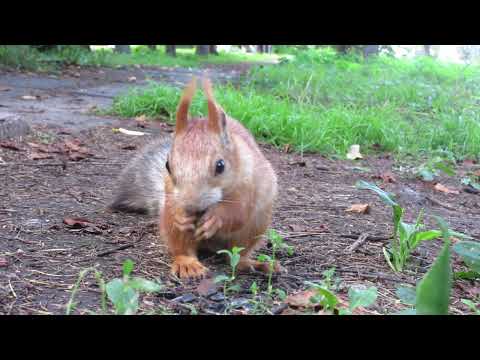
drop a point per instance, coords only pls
(184, 223)
(188, 267)
(208, 227)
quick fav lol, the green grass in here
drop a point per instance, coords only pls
(25, 57)
(323, 102)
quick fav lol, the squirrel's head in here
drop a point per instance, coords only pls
(201, 163)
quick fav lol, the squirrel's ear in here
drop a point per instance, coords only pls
(216, 116)
(182, 110)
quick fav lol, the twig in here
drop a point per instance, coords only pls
(111, 251)
(436, 202)
(362, 239)
(369, 238)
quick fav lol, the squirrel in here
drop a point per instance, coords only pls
(210, 186)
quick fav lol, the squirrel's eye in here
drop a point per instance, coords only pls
(219, 167)
(167, 166)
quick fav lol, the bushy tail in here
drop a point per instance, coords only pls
(141, 183)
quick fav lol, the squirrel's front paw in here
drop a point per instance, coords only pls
(188, 267)
(183, 222)
(208, 226)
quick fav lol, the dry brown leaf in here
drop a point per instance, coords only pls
(39, 156)
(476, 173)
(207, 287)
(444, 189)
(359, 208)
(469, 162)
(354, 153)
(40, 147)
(29, 97)
(3, 262)
(301, 299)
(9, 145)
(386, 177)
(77, 223)
(76, 156)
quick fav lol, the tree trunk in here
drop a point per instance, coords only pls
(171, 50)
(86, 47)
(212, 49)
(248, 48)
(152, 47)
(371, 50)
(342, 49)
(202, 50)
(260, 49)
(124, 49)
(426, 48)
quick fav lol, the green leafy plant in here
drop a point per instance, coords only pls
(469, 251)
(473, 306)
(234, 256)
(326, 298)
(432, 294)
(406, 237)
(277, 243)
(70, 307)
(432, 168)
(124, 292)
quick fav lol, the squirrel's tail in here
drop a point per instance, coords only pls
(141, 183)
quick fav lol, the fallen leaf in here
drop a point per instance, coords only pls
(386, 177)
(299, 163)
(76, 74)
(444, 189)
(3, 262)
(359, 208)
(40, 147)
(29, 97)
(207, 287)
(78, 223)
(76, 156)
(39, 156)
(130, 132)
(476, 173)
(287, 148)
(354, 153)
(9, 145)
(469, 162)
(296, 228)
(301, 299)
(132, 79)
(5, 88)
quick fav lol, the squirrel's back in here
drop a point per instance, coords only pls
(141, 183)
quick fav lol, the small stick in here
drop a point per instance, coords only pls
(111, 251)
(436, 202)
(362, 239)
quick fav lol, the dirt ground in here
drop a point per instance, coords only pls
(72, 175)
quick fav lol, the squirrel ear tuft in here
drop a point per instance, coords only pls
(182, 110)
(216, 115)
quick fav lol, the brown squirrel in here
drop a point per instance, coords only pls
(211, 187)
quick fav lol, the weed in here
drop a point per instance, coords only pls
(234, 256)
(406, 237)
(123, 293)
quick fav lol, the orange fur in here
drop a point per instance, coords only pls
(215, 211)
